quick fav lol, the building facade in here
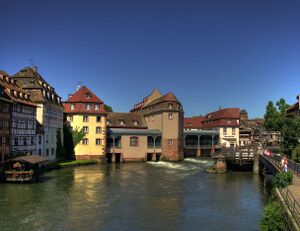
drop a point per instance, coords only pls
(5, 118)
(49, 111)
(225, 121)
(84, 110)
(152, 130)
(22, 118)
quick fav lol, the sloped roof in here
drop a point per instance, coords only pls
(41, 91)
(226, 113)
(80, 108)
(155, 94)
(129, 120)
(169, 97)
(32, 159)
(194, 122)
(3, 73)
(215, 119)
(14, 93)
(80, 96)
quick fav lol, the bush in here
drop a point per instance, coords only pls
(164, 158)
(296, 154)
(282, 180)
(273, 217)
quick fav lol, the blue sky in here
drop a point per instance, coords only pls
(210, 53)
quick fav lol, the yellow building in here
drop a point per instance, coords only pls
(85, 110)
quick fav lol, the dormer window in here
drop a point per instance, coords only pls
(72, 106)
(88, 95)
(170, 106)
(122, 122)
(190, 124)
(108, 122)
(97, 106)
(135, 123)
(87, 106)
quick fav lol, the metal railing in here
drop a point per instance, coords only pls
(291, 204)
(293, 166)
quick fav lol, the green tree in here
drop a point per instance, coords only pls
(282, 106)
(273, 218)
(108, 108)
(77, 135)
(296, 154)
(68, 142)
(271, 117)
(290, 135)
(60, 152)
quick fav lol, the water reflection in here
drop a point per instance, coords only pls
(137, 196)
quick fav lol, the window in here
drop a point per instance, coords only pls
(224, 131)
(228, 121)
(108, 122)
(170, 106)
(86, 129)
(97, 106)
(47, 152)
(98, 141)
(122, 122)
(170, 141)
(85, 141)
(52, 151)
(98, 119)
(135, 123)
(40, 152)
(233, 131)
(87, 107)
(72, 106)
(170, 115)
(134, 141)
(98, 130)
(70, 118)
(88, 95)
(85, 119)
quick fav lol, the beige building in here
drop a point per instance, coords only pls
(225, 121)
(85, 110)
(153, 130)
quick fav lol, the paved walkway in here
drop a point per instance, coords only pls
(295, 188)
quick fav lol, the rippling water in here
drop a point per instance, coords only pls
(134, 196)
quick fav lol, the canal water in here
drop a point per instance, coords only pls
(134, 196)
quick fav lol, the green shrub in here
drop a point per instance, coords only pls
(296, 154)
(273, 217)
(282, 180)
(164, 158)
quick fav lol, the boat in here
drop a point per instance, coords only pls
(24, 168)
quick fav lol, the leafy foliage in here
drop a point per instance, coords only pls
(164, 158)
(60, 152)
(282, 180)
(274, 117)
(77, 135)
(290, 135)
(273, 217)
(296, 154)
(108, 108)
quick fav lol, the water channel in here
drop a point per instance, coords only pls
(134, 196)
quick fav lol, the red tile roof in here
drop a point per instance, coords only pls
(80, 96)
(227, 117)
(194, 122)
(79, 100)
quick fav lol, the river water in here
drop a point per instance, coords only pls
(134, 196)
